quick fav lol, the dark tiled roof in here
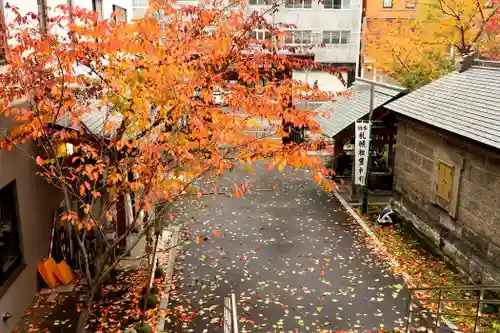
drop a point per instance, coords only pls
(467, 104)
(335, 116)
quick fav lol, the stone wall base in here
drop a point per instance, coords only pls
(449, 246)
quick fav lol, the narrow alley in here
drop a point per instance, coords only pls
(296, 261)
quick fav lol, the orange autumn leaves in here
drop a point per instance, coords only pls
(197, 238)
(137, 103)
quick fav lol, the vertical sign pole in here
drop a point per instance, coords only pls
(364, 203)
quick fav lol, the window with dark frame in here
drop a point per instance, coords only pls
(260, 35)
(298, 4)
(97, 7)
(336, 37)
(10, 246)
(260, 2)
(120, 14)
(387, 3)
(336, 4)
(298, 37)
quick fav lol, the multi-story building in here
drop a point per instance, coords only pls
(329, 30)
(331, 27)
(375, 12)
(27, 202)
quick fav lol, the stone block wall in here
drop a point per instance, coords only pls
(467, 231)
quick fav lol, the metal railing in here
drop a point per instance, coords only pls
(420, 305)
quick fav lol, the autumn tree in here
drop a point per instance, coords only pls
(113, 108)
(415, 51)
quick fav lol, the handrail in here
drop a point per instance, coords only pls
(478, 301)
(466, 287)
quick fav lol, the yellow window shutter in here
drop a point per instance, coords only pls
(444, 182)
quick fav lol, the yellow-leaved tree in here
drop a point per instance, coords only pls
(415, 51)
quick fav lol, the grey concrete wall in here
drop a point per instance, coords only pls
(471, 239)
(36, 202)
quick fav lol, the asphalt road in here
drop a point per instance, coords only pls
(296, 261)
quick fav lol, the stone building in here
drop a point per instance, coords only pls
(447, 167)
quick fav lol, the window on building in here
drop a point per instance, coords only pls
(120, 14)
(298, 3)
(10, 247)
(139, 8)
(387, 3)
(43, 15)
(97, 7)
(337, 4)
(411, 4)
(260, 35)
(260, 2)
(336, 37)
(444, 182)
(3, 34)
(298, 37)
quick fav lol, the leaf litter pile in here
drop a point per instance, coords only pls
(421, 268)
(296, 261)
(120, 306)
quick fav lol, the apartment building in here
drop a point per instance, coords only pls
(331, 27)
(27, 202)
(375, 12)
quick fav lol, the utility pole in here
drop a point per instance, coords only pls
(364, 194)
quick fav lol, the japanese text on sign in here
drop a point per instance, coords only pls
(361, 150)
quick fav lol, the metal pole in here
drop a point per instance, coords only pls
(235, 316)
(364, 197)
(477, 322)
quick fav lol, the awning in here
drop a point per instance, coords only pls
(335, 116)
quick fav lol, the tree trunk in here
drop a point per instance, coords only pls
(86, 310)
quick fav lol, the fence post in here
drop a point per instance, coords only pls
(439, 310)
(480, 298)
(409, 308)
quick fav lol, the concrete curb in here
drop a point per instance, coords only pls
(169, 271)
(378, 243)
(359, 220)
(370, 233)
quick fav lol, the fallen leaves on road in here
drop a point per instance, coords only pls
(296, 260)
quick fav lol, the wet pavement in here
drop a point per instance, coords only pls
(295, 259)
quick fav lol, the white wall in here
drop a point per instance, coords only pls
(317, 19)
(26, 6)
(326, 81)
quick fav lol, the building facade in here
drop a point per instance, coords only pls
(27, 202)
(375, 12)
(331, 27)
(447, 168)
(330, 30)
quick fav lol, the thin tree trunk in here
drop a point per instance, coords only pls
(151, 274)
(86, 310)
